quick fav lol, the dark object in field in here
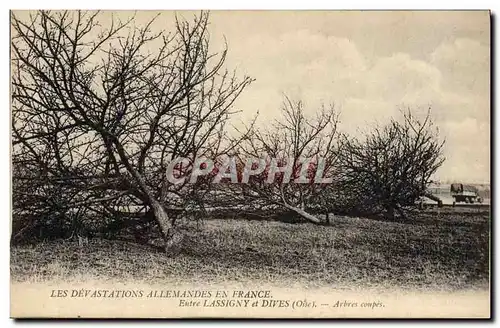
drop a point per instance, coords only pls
(464, 193)
(250, 249)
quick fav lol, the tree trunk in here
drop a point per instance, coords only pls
(390, 214)
(328, 219)
(304, 214)
(402, 214)
(165, 224)
(161, 216)
(434, 198)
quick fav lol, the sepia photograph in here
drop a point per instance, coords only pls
(250, 164)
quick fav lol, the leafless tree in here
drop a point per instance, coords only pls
(307, 143)
(102, 110)
(391, 167)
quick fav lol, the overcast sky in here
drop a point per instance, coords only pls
(369, 64)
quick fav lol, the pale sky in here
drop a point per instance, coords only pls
(368, 63)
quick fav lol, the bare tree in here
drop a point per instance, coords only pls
(391, 167)
(103, 110)
(304, 143)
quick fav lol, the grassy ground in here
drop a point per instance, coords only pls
(447, 250)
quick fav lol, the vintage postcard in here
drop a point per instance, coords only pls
(250, 164)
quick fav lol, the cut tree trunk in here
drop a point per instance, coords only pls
(402, 214)
(390, 214)
(304, 214)
(165, 224)
(161, 216)
(434, 198)
(328, 219)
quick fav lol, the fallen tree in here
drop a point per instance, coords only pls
(101, 111)
(290, 163)
(390, 168)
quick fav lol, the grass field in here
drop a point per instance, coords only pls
(446, 250)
